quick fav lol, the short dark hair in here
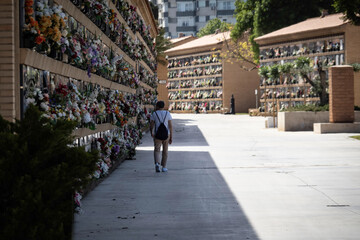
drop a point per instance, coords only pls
(160, 104)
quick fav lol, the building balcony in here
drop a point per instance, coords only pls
(186, 29)
(225, 12)
(185, 14)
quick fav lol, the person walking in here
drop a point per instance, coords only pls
(159, 120)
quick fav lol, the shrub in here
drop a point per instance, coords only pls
(39, 171)
(308, 108)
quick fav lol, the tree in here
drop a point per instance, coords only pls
(351, 9)
(212, 26)
(302, 66)
(39, 171)
(162, 44)
(240, 52)
(259, 17)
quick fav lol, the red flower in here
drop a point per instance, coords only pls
(29, 3)
(39, 39)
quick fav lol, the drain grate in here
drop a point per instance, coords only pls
(338, 205)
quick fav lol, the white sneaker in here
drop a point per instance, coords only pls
(164, 169)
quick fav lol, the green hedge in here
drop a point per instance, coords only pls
(308, 108)
(312, 108)
(39, 171)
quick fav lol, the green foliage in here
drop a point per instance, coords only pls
(351, 9)
(162, 44)
(274, 71)
(212, 26)
(244, 12)
(356, 137)
(39, 172)
(264, 71)
(263, 16)
(308, 108)
(356, 67)
(286, 68)
(302, 65)
(356, 108)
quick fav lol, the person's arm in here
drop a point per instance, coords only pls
(152, 124)
(171, 131)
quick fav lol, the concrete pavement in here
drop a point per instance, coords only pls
(230, 178)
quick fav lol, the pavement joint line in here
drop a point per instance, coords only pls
(336, 204)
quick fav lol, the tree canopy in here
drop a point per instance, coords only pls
(351, 9)
(212, 26)
(260, 17)
(162, 44)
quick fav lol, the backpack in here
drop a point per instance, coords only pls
(162, 132)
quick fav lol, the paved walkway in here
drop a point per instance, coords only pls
(230, 178)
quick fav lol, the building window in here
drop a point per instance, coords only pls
(172, 20)
(189, 7)
(185, 21)
(201, 3)
(207, 18)
(185, 7)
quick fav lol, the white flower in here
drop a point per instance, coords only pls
(56, 10)
(64, 33)
(87, 118)
(30, 100)
(40, 5)
(44, 106)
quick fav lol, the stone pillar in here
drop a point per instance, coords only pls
(341, 94)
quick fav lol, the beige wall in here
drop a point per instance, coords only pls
(352, 55)
(161, 88)
(242, 84)
(357, 89)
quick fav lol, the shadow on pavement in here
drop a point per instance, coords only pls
(191, 201)
(183, 129)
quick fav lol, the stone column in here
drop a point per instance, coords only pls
(341, 94)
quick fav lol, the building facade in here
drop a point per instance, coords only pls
(187, 17)
(200, 81)
(327, 41)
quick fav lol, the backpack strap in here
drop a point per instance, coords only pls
(165, 117)
(157, 116)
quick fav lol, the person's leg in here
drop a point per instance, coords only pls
(157, 153)
(165, 144)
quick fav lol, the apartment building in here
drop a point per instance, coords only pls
(187, 17)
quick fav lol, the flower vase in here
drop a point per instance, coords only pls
(103, 27)
(65, 58)
(98, 22)
(107, 30)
